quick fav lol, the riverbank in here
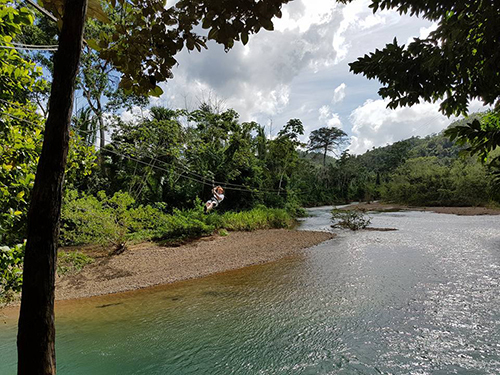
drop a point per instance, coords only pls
(150, 264)
(384, 207)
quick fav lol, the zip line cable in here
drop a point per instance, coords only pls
(34, 45)
(18, 118)
(181, 175)
(50, 48)
(186, 169)
(184, 175)
(41, 10)
(199, 178)
(173, 172)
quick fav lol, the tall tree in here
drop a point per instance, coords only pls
(36, 336)
(147, 37)
(283, 155)
(456, 63)
(327, 139)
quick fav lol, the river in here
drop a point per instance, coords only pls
(424, 299)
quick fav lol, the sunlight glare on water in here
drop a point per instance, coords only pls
(424, 299)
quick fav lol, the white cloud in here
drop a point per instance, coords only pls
(290, 72)
(372, 20)
(376, 125)
(424, 32)
(326, 116)
(135, 114)
(356, 15)
(339, 93)
(301, 15)
(256, 79)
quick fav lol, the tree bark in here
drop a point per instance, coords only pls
(97, 109)
(36, 334)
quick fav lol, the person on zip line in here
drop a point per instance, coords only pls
(218, 197)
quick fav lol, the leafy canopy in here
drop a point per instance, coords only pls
(327, 139)
(457, 62)
(146, 35)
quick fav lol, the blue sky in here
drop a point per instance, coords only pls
(300, 70)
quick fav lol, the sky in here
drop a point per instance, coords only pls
(300, 70)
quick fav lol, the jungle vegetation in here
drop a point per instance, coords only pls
(163, 164)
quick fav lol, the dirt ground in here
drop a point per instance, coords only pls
(467, 211)
(150, 264)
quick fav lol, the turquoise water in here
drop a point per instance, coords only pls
(421, 300)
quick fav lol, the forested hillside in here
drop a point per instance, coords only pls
(417, 171)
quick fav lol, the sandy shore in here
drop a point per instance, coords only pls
(468, 211)
(150, 264)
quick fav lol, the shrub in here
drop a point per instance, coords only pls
(11, 274)
(258, 218)
(104, 220)
(85, 220)
(183, 224)
(69, 262)
(350, 219)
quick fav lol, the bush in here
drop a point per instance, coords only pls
(113, 220)
(350, 219)
(70, 262)
(104, 220)
(258, 218)
(429, 181)
(85, 219)
(11, 274)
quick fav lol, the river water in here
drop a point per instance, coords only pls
(424, 299)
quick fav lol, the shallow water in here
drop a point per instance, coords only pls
(424, 299)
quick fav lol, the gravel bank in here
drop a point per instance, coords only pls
(149, 264)
(468, 211)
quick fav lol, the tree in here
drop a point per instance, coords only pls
(20, 126)
(36, 335)
(155, 143)
(142, 48)
(456, 63)
(99, 82)
(479, 137)
(326, 139)
(283, 155)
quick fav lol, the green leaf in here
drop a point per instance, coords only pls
(157, 91)
(93, 44)
(212, 34)
(244, 38)
(267, 24)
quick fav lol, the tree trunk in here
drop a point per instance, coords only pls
(102, 140)
(324, 156)
(36, 335)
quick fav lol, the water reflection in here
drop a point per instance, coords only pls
(421, 300)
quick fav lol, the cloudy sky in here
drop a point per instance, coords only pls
(300, 70)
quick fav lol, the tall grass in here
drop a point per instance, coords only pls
(117, 220)
(258, 218)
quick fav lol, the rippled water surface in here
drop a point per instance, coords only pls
(424, 299)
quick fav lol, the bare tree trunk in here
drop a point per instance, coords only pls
(102, 140)
(36, 335)
(97, 109)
